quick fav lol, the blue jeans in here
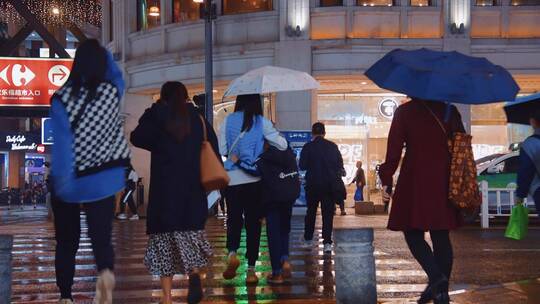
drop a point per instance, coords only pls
(278, 227)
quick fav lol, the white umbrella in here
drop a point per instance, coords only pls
(271, 79)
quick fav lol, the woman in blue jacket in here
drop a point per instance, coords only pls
(242, 138)
(528, 179)
(89, 157)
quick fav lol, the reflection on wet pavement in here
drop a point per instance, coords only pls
(398, 276)
(312, 281)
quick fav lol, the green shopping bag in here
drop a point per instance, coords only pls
(517, 226)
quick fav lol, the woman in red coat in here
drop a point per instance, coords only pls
(420, 201)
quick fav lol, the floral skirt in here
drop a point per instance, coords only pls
(177, 252)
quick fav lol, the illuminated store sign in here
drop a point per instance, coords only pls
(387, 107)
(19, 142)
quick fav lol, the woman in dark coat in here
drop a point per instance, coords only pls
(172, 131)
(420, 202)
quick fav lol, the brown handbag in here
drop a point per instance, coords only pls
(213, 174)
(463, 190)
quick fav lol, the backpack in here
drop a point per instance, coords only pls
(280, 176)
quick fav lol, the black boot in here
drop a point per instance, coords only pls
(426, 296)
(440, 292)
(433, 290)
(195, 291)
(442, 298)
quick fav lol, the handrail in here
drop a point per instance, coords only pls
(486, 212)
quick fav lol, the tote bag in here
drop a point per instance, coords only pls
(213, 175)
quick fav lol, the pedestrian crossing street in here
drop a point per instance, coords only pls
(398, 278)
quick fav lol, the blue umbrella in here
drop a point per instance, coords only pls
(520, 111)
(443, 76)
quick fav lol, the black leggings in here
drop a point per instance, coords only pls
(437, 263)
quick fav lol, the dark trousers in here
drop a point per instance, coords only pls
(327, 209)
(128, 195)
(67, 224)
(278, 227)
(437, 263)
(537, 201)
(244, 208)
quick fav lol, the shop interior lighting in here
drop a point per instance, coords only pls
(153, 11)
(198, 1)
(55, 11)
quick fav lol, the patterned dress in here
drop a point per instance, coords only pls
(177, 252)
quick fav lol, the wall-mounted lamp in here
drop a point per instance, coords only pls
(153, 11)
(293, 32)
(454, 29)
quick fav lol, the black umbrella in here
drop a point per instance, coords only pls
(520, 111)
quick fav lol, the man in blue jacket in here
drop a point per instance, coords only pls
(528, 179)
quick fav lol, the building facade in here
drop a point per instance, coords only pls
(336, 41)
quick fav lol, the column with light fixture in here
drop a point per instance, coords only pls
(457, 38)
(294, 50)
(208, 13)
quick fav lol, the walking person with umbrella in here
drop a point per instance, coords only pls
(523, 111)
(426, 198)
(242, 138)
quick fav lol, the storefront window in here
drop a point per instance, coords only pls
(525, 2)
(185, 10)
(148, 14)
(487, 2)
(22, 153)
(421, 3)
(328, 3)
(377, 2)
(359, 125)
(489, 130)
(231, 7)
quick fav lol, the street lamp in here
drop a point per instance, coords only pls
(207, 11)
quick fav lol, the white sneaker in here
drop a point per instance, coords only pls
(327, 248)
(65, 301)
(104, 287)
(134, 217)
(122, 216)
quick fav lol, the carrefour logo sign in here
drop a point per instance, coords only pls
(20, 75)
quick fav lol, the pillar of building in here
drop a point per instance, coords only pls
(294, 109)
(458, 15)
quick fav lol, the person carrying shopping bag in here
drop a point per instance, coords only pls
(173, 131)
(89, 157)
(242, 138)
(360, 182)
(528, 179)
(421, 199)
(281, 188)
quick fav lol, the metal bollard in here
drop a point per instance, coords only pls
(6, 244)
(355, 266)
